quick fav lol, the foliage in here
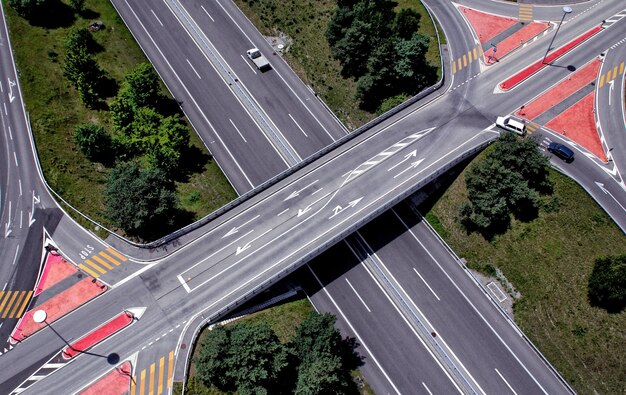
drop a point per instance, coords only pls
(93, 141)
(324, 375)
(142, 85)
(607, 283)
(142, 202)
(386, 59)
(29, 8)
(77, 5)
(80, 68)
(507, 181)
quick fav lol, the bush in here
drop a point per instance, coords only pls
(93, 141)
(607, 283)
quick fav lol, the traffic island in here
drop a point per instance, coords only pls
(55, 269)
(99, 334)
(116, 382)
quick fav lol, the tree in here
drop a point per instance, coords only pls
(93, 141)
(211, 366)
(28, 8)
(143, 86)
(77, 5)
(607, 283)
(325, 375)
(80, 68)
(406, 23)
(142, 202)
(122, 112)
(317, 336)
(166, 148)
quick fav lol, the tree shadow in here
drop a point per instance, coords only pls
(89, 14)
(55, 15)
(192, 161)
(106, 86)
(167, 106)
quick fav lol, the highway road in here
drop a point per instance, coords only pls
(335, 195)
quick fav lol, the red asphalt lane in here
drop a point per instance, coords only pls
(97, 335)
(116, 382)
(561, 91)
(54, 270)
(486, 26)
(578, 124)
(516, 40)
(540, 64)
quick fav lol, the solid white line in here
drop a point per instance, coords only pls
(427, 389)
(422, 278)
(182, 281)
(353, 330)
(471, 304)
(294, 121)
(193, 68)
(237, 129)
(358, 296)
(207, 13)
(216, 252)
(505, 382)
(248, 63)
(190, 95)
(53, 365)
(157, 18)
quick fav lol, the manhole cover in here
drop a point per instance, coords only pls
(183, 346)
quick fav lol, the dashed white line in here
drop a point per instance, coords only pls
(427, 389)
(422, 278)
(237, 129)
(294, 121)
(156, 17)
(358, 296)
(15, 157)
(207, 13)
(248, 63)
(193, 68)
(506, 382)
(10, 134)
(283, 212)
(5, 109)
(20, 184)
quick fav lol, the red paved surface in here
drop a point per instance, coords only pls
(578, 123)
(516, 40)
(561, 91)
(485, 25)
(97, 335)
(535, 67)
(54, 270)
(116, 382)
(59, 305)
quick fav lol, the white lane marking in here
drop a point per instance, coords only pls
(353, 330)
(358, 296)
(237, 129)
(218, 251)
(427, 389)
(245, 247)
(283, 212)
(294, 121)
(193, 68)
(15, 157)
(156, 17)
(207, 13)
(21, 218)
(53, 365)
(471, 304)
(422, 278)
(10, 134)
(189, 95)
(20, 184)
(248, 63)
(182, 281)
(5, 109)
(235, 229)
(17, 250)
(1, 87)
(506, 382)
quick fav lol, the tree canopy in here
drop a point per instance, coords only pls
(607, 283)
(28, 8)
(80, 68)
(93, 141)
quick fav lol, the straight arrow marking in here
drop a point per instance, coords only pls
(611, 86)
(413, 165)
(307, 208)
(296, 193)
(236, 228)
(247, 245)
(411, 154)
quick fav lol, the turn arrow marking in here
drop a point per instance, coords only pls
(340, 209)
(31, 220)
(11, 96)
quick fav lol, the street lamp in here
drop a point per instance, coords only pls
(566, 10)
(40, 316)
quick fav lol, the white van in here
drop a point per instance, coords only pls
(512, 125)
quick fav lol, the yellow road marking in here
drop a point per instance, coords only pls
(109, 258)
(98, 268)
(601, 81)
(88, 270)
(142, 383)
(464, 60)
(459, 65)
(475, 53)
(453, 67)
(170, 369)
(151, 384)
(608, 76)
(10, 303)
(614, 72)
(24, 304)
(161, 371)
(16, 305)
(621, 68)
(3, 298)
(102, 262)
(117, 254)
(133, 385)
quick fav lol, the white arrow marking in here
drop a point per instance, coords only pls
(11, 96)
(611, 86)
(413, 165)
(307, 208)
(247, 245)
(411, 154)
(601, 186)
(36, 199)
(296, 193)
(31, 220)
(236, 228)
(340, 209)
(7, 231)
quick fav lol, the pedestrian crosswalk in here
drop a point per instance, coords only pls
(463, 61)
(154, 379)
(615, 18)
(611, 74)
(13, 303)
(100, 263)
(531, 127)
(525, 12)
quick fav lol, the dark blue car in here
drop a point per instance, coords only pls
(561, 151)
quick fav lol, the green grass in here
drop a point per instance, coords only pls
(548, 261)
(305, 23)
(55, 110)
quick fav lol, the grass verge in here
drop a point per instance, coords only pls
(549, 261)
(55, 110)
(309, 55)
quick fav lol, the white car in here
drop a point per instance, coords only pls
(512, 125)
(259, 60)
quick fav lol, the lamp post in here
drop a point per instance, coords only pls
(566, 10)
(40, 316)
